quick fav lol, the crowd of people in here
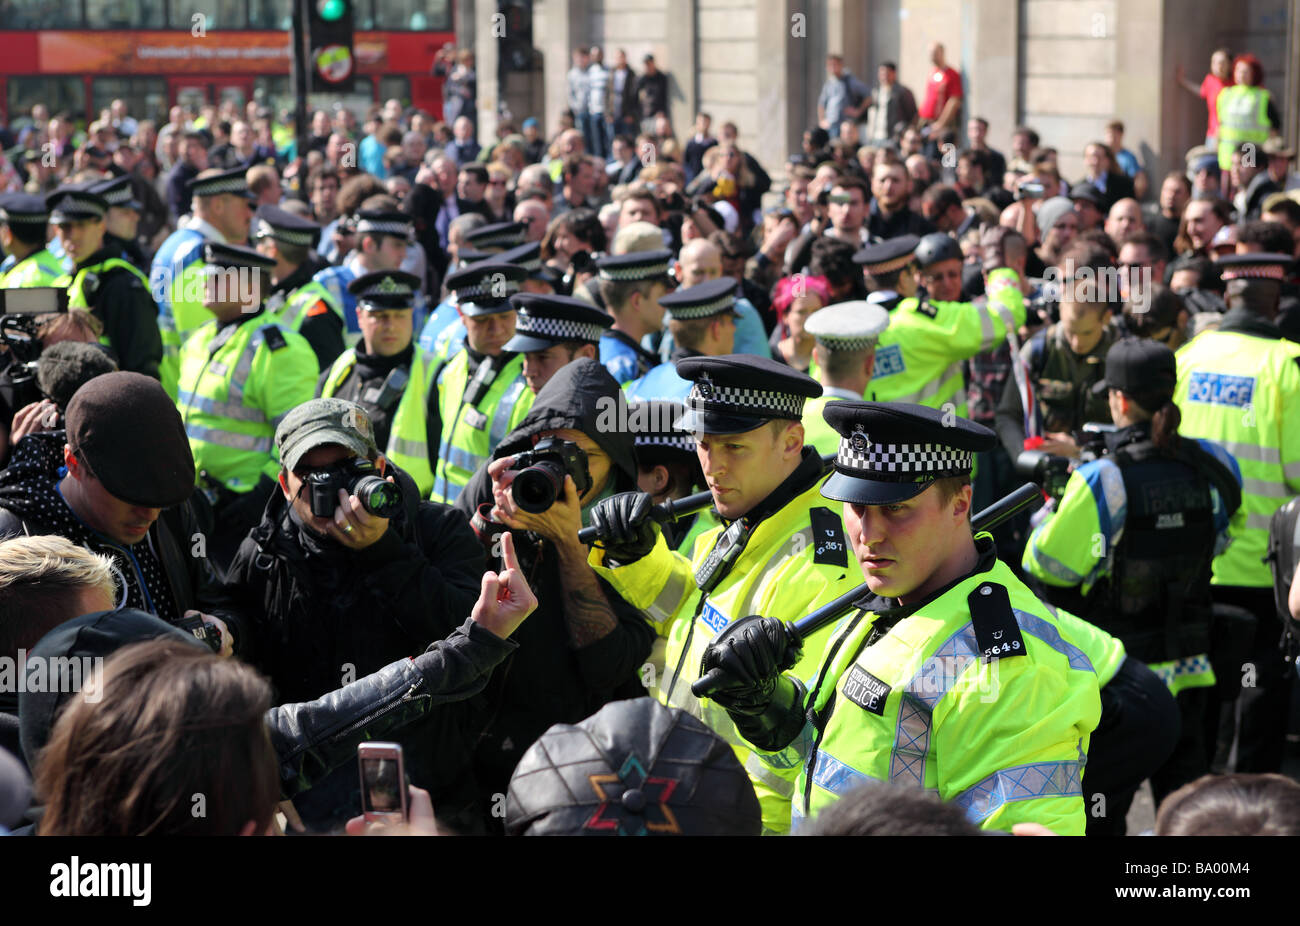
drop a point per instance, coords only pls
(299, 437)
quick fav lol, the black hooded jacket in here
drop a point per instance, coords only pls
(321, 615)
(548, 681)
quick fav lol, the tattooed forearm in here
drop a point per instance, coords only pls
(586, 610)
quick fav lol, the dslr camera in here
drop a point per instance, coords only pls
(358, 477)
(542, 472)
(1052, 472)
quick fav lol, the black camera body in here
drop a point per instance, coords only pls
(1052, 472)
(542, 472)
(204, 633)
(358, 477)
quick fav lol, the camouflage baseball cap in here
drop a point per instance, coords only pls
(324, 421)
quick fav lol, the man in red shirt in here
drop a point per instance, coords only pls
(943, 94)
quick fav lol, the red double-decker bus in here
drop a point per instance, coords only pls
(79, 55)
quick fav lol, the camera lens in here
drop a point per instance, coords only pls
(381, 498)
(536, 488)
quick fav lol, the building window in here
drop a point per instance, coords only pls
(217, 14)
(42, 14)
(413, 15)
(270, 14)
(146, 97)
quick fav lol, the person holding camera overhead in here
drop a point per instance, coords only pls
(1159, 506)
(348, 571)
(585, 646)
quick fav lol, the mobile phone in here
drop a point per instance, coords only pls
(384, 794)
(33, 300)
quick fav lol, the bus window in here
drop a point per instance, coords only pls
(42, 14)
(413, 15)
(146, 97)
(124, 14)
(270, 14)
(216, 14)
(59, 94)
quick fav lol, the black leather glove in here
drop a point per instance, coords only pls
(750, 654)
(624, 525)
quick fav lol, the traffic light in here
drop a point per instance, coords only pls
(329, 38)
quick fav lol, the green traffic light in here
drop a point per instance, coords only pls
(331, 10)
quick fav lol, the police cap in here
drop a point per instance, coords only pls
(384, 222)
(546, 320)
(75, 201)
(282, 225)
(848, 325)
(497, 236)
(25, 208)
(890, 452)
(887, 256)
(485, 288)
(1257, 265)
(529, 256)
(117, 192)
(713, 297)
(636, 266)
(234, 257)
(382, 290)
(736, 393)
(216, 182)
(652, 428)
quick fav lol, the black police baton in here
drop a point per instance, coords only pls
(671, 510)
(1026, 498)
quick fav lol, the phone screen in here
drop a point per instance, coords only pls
(381, 783)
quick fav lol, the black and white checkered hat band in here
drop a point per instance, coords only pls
(708, 397)
(266, 230)
(532, 266)
(118, 197)
(15, 217)
(703, 310)
(487, 292)
(377, 227)
(899, 462)
(216, 187)
(639, 272)
(392, 292)
(835, 342)
(72, 205)
(675, 441)
(500, 240)
(557, 329)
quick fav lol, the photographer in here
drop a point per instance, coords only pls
(585, 645)
(335, 588)
(1161, 505)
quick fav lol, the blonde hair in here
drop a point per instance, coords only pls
(42, 581)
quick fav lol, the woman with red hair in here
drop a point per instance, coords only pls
(794, 299)
(1247, 114)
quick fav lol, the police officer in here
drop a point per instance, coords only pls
(28, 262)
(382, 238)
(919, 357)
(444, 333)
(631, 286)
(482, 392)
(1160, 506)
(844, 356)
(496, 237)
(889, 270)
(388, 376)
(779, 548)
(222, 210)
(668, 470)
(551, 331)
(112, 289)
(122, 220)
(287, 239)
(952, 676)
(702, 320)
(239, 375)
(1240, 386)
